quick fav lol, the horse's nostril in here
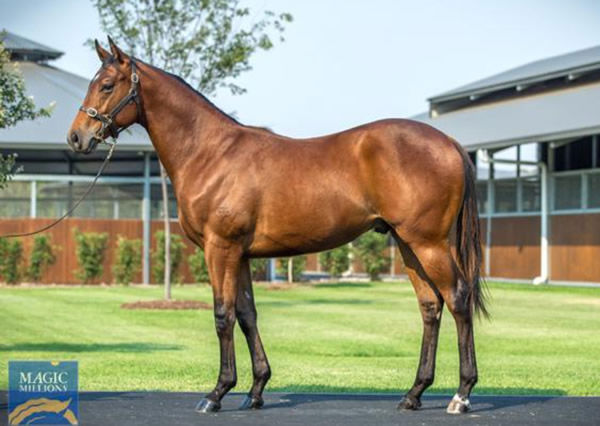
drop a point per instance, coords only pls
(74, 137)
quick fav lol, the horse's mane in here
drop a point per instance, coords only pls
(204, 98)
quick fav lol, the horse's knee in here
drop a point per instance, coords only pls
(246, 319)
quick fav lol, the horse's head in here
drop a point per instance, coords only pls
(111, 103)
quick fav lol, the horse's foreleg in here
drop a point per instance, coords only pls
(430, 305)
(246, 315)
(223, 264)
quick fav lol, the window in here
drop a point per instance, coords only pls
(593, 200)
(15, 199)
(530, 194)
(156, 209)
(575, 155)
(567, 192)
(106, 201)
(505, 192)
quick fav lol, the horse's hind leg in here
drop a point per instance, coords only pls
(246, 316)
(435, 265)
(431, 305)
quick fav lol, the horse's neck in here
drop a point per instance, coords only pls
(180, 122)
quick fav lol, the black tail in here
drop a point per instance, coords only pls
(468, 242)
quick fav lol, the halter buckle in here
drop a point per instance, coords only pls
(135, 78)
(92, 112)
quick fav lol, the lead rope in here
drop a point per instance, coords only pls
(74, 206)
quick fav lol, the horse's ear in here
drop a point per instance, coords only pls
(117, 53)
(103, 54)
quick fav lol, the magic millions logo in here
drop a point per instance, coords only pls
(42, 392)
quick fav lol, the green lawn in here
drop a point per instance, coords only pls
(351, 337)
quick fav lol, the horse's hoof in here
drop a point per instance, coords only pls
(208, 406)
(458, 405)
(252, 403)
(409, 403)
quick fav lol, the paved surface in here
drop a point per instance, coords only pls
(162, 408)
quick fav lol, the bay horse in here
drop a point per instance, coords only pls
(245, 192)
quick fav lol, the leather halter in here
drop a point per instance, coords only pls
(107, 120)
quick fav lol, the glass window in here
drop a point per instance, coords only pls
(156, 210)
(482, 197)
(593, 191)
(106, 201)
(530, 194)
(529, 152)
(502, 170)
(505, 192)
(567, 192)
(574, 155)
(15, 199)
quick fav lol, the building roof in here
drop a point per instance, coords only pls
(23, 47)
(48, 84)
(572, 63)
(551, 115)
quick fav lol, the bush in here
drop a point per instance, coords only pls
(298, 265)
(91, 247)
(259, 269)
(335, 261)
(11, 257)
(158, 257)
(42, 256)
(369, 249)
(198, 266)
(128, 260)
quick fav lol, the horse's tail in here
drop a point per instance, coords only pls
(468, 244)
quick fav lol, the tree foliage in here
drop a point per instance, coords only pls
(298, 266)
(158, 257)
(90, 251)
(42, 256)
(207, 42)
(336, 261)
(11, 257)
(198, 266)
(15, 106)
(128, 260)
(369, 249)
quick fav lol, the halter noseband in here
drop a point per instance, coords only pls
(107, 120)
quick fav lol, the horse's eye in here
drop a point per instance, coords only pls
(107, 87)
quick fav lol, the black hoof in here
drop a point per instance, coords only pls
(459, 405)
(409, 403)
(208, 406)
(252, 403)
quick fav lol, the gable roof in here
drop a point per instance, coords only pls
(557, 66)
(24, 47)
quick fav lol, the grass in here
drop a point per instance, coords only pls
(350, 337)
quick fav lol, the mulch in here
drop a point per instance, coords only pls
(167, 304)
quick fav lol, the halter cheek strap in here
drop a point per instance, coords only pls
(107, 120)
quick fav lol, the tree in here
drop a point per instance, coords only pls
(15, 106)
(336, 261)
(206, 42)
(369, 248)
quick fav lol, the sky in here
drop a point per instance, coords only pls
(348, 62)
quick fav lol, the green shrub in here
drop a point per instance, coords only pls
(128, 260)
(259, 269)
(90, 250)
(336, 261)
(42, 256)
(11, 257)
(298, 265)
(369, 249)
(198, 266)
(158, 257)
